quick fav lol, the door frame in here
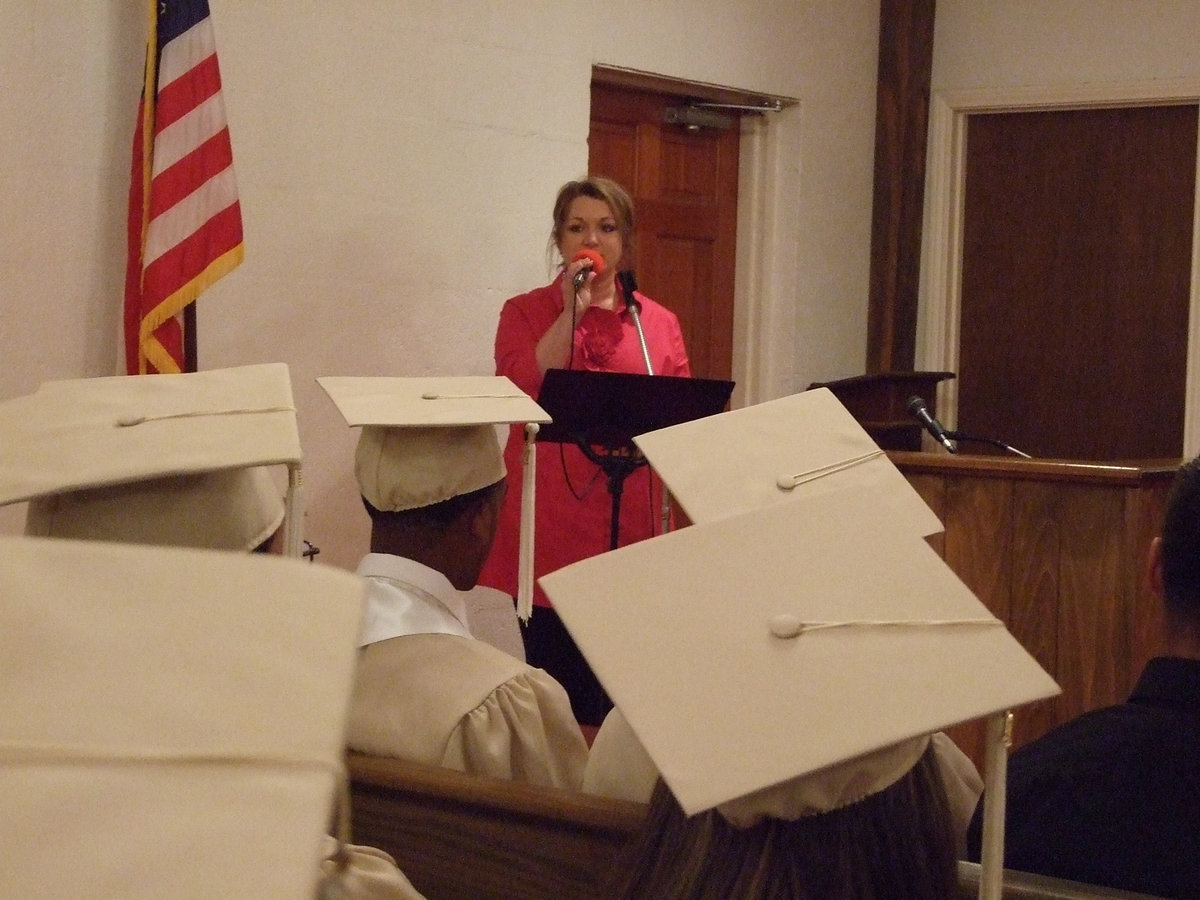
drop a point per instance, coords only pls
(764, 281)
(939, 303)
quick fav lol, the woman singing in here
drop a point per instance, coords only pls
(579, 321)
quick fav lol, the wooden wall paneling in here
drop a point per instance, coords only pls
(1092, 610)
(979, 528)
(1036, 592)
(977, 515)
(932, 489)
(901, 118)
(1056, 550)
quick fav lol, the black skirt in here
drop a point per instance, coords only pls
(549, 646)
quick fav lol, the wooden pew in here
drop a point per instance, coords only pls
(463, 837)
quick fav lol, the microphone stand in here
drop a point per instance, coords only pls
(617, 465)
(959, 436)
(635, 313)
(628, 286)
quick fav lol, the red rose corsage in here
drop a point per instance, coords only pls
(601, 334)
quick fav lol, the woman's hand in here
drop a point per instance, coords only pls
(580, 295)
(554, 347)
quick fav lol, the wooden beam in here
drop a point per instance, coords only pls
(901, 123)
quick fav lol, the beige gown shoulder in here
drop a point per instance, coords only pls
(453, 701)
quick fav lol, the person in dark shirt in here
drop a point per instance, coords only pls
(1112, 797)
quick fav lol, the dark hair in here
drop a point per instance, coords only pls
(607, 191)
(898, 842)
(1181, 544)
(437, 515)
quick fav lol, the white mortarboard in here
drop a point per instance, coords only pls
(233, 509)
(783, 450)
(757, 649)
(425, 440)
(91, 433)
(171, 722)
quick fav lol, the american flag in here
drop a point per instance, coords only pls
(185, 222)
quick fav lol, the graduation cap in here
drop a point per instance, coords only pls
(425, 440)
(785, 450)
(168, 459)
(792, 651)
(163, 736)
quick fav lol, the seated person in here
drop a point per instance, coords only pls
(1112, 797)
(426, 689)
(785, 670)
(168, 751)
(619, 766)
(877, 826)
(174, 460)
(90, 472)
(232, 509)
(355, 872)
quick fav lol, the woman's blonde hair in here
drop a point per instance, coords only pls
(898, 842)
(598, 188)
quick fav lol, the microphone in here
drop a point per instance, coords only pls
(628, 286)
(916, 406)
(597, 266)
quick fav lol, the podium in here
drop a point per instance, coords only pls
(879, 403)
(602, 412)
(1056, 550)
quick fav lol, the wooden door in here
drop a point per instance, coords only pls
(684, 187)
(1075, 283)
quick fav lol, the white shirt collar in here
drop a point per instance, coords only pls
(406, 597)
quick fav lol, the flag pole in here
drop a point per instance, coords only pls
(190, 362)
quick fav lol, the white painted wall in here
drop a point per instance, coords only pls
(397, 160)
(1005, 43)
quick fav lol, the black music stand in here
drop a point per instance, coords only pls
(602, 412)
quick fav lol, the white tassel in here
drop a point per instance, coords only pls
(525, 552)
(991, 860)
(293, 516)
